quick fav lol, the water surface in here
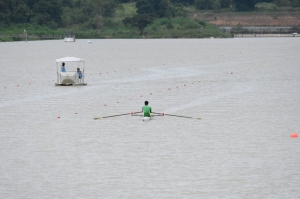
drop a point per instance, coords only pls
(246, 92)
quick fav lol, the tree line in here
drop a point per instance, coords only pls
(63, 13)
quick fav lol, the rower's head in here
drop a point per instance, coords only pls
(63, 64)
(146, 103)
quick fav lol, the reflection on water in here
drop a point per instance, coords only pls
(245, 90)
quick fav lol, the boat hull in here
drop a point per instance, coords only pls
(79, 84)
(146, 118)
(69, 39)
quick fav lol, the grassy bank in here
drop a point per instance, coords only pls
(180, 27)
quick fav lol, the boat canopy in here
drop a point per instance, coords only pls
(69, 59)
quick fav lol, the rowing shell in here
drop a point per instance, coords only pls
(146, 119)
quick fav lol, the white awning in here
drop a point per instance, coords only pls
(69, 59)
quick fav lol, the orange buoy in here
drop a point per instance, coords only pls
(58, 117)
(294, 135)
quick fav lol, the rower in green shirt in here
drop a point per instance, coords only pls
(146, 110)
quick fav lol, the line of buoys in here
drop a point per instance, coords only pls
(177, 86)
(204, 79)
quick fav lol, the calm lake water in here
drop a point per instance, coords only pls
(246, 92)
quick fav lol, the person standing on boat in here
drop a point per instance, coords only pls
(63, 69)
(79, 73)
(146, 110)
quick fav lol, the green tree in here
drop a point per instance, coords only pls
(155, 7)
(282, 2)
(109, 8)
(67, 3)
(225, 3)
(204, 4)
(216, 6)
(169, 25)
(244, 5)
(30, 3)
(141, 21)
(22, 13)
(47, 11)
(183, 2)
(5, 13)
(105, 8)
(295, 3)
(144, 7)
(163, 7)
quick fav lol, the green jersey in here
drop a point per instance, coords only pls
(147, 111)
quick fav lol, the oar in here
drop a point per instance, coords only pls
(162, 114)
(97, 118)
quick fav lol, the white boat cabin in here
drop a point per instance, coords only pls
(69, 37)
(70, 71)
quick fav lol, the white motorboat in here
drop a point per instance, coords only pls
(69, 37)
(71, 76)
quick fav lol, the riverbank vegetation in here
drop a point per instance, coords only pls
(124, 18)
